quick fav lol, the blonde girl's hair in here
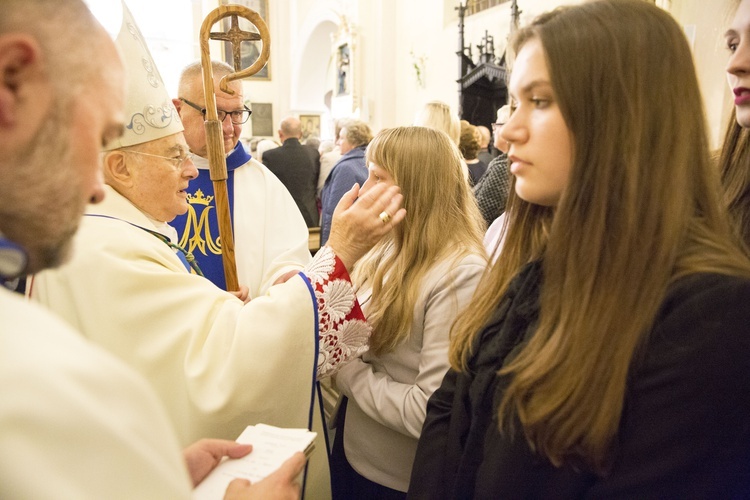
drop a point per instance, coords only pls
(641, 210)
(442, 221)
(437, 115)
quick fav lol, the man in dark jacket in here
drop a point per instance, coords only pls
(297, 167)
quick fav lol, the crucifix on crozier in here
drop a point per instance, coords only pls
(236, 36)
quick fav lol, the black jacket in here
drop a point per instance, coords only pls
(297, 167)
(685, 428)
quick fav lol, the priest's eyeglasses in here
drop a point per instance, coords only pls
(176, 161)
(238, 117)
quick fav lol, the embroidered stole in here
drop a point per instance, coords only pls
(198, 229)
(185, 257)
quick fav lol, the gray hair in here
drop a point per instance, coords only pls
(358, 133)
(191, 78)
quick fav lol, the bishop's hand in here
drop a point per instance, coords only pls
(357, 227)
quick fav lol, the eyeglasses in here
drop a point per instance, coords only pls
(237, 117)
(496, 126)
(177, 162)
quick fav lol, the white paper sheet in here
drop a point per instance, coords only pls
(271, 447)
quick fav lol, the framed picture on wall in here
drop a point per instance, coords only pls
(262, 119)
(250, 50)
(343, 60)
(310, 126)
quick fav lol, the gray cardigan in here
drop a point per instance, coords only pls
(388, 394)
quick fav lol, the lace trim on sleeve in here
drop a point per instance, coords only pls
(343, 332)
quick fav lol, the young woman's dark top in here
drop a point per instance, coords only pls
(685, 427)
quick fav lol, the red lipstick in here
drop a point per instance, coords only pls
(742, 96)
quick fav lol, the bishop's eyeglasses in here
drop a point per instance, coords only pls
(176, 161)
(238, 117)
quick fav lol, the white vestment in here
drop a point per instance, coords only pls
(218, 365)
(74, 421)
(270, 234)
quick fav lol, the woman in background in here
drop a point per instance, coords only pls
(438, 116)
(492, 189)
(735, 155)
(607, 352)
(411, 287)
(468, 144)
(350, 169)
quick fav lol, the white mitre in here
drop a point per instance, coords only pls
(149, 112)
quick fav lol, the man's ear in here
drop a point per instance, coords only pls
(117, 172)
(178, 105)
(20, 64)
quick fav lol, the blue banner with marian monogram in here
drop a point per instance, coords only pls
(198, 229)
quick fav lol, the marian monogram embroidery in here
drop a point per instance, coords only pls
(197, 232)
(343, 331)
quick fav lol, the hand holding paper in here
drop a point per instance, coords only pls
(280, 485)
(203, 456)
(272, 446)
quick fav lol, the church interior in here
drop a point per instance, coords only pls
(380, 61)
(422, 249)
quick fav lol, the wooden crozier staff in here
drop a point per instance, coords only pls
(214, 140)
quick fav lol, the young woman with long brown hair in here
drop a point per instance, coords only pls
(607, 353)
(735, 155)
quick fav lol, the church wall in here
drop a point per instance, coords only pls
(391, 37)
(433, 32)
(427, 43)
(380, 50)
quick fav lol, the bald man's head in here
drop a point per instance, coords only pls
(290, 127)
